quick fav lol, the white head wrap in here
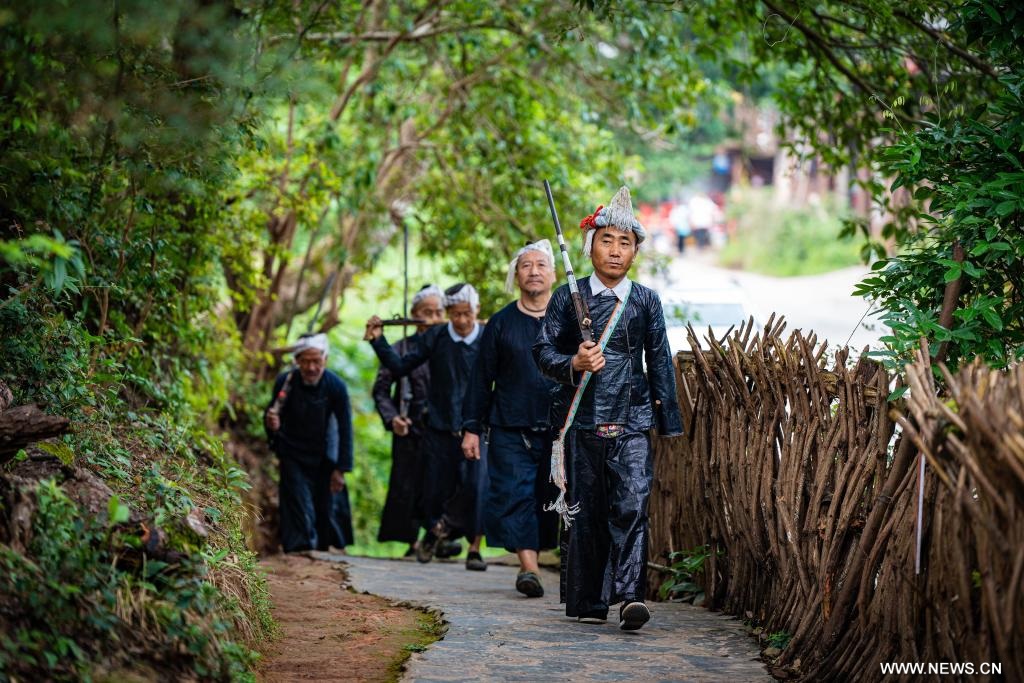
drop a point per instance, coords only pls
(461, 293)
(543, 246)
(310, 341)
(425, 292)
(618, 214)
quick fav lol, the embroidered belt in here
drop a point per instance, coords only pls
(610, 431)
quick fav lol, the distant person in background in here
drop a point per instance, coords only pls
(721, 171)
(404, 416)
(679, 217)
(720, 230)
(701, 212)
(311, 472)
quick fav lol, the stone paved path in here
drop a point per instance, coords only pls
(495, 634)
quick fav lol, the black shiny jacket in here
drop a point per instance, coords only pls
(620, 393)
(450, 363)
(387, 389)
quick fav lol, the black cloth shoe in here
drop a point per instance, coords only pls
(593, 617)
(528, 584)
(633, 615)
(425, 549)
(475, 562)
(447, 549)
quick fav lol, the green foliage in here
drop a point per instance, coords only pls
(123, 123)
(118, 133)
(451, 129)
(779, 639)
(965, 169)
(79, 594)
(52, 257)
(48, 365)
(777, 239)
(200, 613)
(927, 97)
(683, 584)
(665, 174)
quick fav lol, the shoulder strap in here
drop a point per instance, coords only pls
(558, 478)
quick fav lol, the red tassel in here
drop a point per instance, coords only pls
(588, 222)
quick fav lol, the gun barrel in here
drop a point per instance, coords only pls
(561, 238)
(551, 205)
(580, 306)
(403, 321)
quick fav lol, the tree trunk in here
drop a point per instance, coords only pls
(27, 424)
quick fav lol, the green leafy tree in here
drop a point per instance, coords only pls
(119, 126)
(116, 135)
(445, 115)
(922, 100)
(958, 280)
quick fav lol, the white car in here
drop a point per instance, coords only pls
(720, 309)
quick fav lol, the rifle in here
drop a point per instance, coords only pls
(404, 396)
(405, 383)
(582, 313)
(397, 320)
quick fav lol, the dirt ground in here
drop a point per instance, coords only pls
(329, 633)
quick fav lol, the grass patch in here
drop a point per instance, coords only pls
(429, 629)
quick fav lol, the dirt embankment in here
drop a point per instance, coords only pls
(329, 633)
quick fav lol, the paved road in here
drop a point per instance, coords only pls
(495, 634)
(823, 303)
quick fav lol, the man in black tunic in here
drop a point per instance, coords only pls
(606, 429)
(453, 485)
(508, 397)
(401, 517)
(311, 473)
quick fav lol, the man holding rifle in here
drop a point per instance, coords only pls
(596, 336)
(402, 405)
(454, 486)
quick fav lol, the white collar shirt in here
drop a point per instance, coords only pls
(619, 291)
(468, 339)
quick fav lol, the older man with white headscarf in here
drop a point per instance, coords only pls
(453, 486)
(509, 399)
(402, 405)
(297, 421)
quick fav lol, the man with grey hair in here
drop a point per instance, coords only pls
(297, 421)
(402, 406)
(453, 486)
(508, 399)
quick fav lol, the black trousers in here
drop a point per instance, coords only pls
(402, 514)
(519, 473)
(308, 509)
(610, 478)
(454, 487)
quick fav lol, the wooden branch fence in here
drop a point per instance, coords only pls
(795, 475)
